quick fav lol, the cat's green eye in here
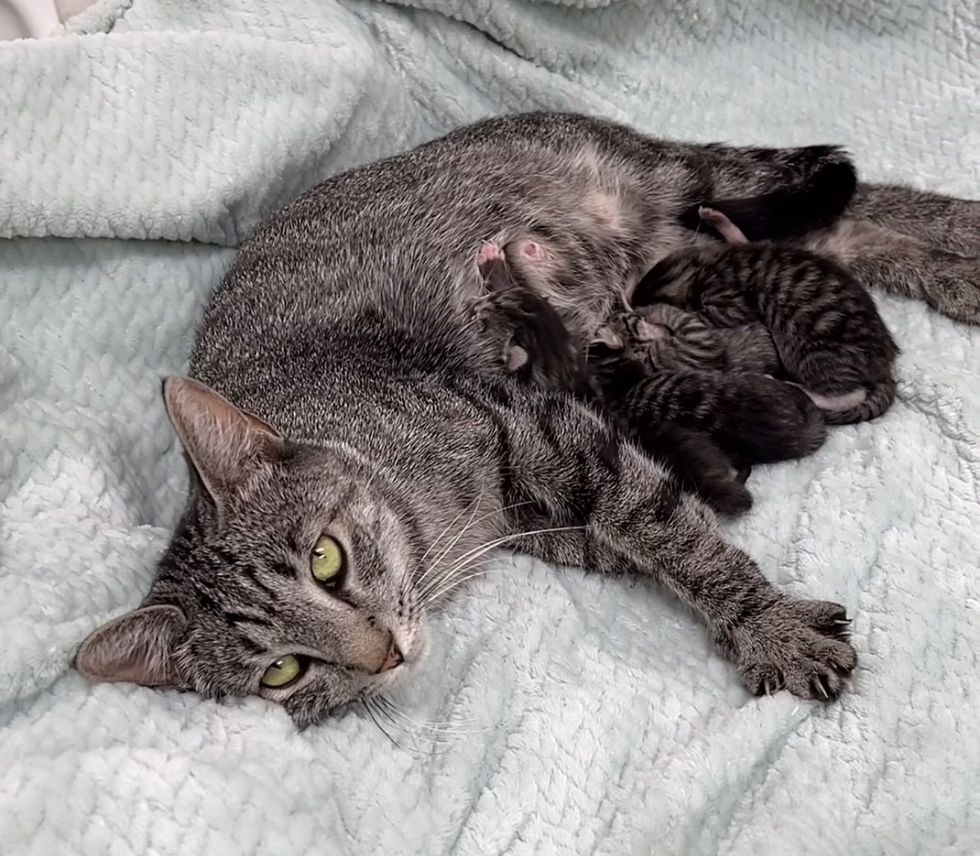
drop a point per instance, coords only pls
(327, 560)
(282, 672)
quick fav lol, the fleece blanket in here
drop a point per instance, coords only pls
(560, 713)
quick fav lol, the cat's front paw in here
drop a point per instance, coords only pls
(954, 290)
(797, 645)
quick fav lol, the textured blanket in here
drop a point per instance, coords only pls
(560, 713)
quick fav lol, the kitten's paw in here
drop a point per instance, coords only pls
(797, 645)
(955, 291)
(726, 496)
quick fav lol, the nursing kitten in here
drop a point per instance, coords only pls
(826, 327)
(768, 422)
(533, 341)
(754, 419)
(355, 445)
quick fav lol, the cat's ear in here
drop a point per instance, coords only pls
(136, 647)
(222, 441)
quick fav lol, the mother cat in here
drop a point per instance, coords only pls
(354, 449)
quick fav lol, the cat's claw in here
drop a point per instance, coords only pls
(794, 645)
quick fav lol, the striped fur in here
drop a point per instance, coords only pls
(826, 328)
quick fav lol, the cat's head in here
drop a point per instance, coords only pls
(290, 574)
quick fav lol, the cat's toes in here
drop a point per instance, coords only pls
(955, 291)
(797, 645)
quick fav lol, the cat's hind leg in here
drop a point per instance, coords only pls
(805, 189)
(883, 258)
(723, 225)
(943, 223)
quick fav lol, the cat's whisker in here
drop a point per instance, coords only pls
(440, 536)
(469, 525)
(467, 559)
(370, 711)
(449, 571)
(442, 554)
(434, 594)
(481, 550)
(442, 728)
(442, 577)
(404, 727)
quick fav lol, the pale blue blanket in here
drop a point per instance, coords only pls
(574, 715)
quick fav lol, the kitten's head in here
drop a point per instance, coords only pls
(290, 575)
(631, 335)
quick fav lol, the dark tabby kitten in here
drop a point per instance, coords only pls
(754, 419)
(759, 420)
(826, 327)
(355, 445)
(533, 341)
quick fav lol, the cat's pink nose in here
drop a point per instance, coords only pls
(394, 658)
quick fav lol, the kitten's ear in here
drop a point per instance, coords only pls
(517, 358)
(136, 647)
(222, 441)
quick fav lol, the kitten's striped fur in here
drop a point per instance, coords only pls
(826, 328)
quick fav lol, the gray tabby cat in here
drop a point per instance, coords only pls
(354, 446)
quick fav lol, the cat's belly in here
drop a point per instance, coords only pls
(401, 238)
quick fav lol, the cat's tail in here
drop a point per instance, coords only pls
(875, 402)
(825, 182)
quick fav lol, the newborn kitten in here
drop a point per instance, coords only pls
(751, 417)
(825, 326)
